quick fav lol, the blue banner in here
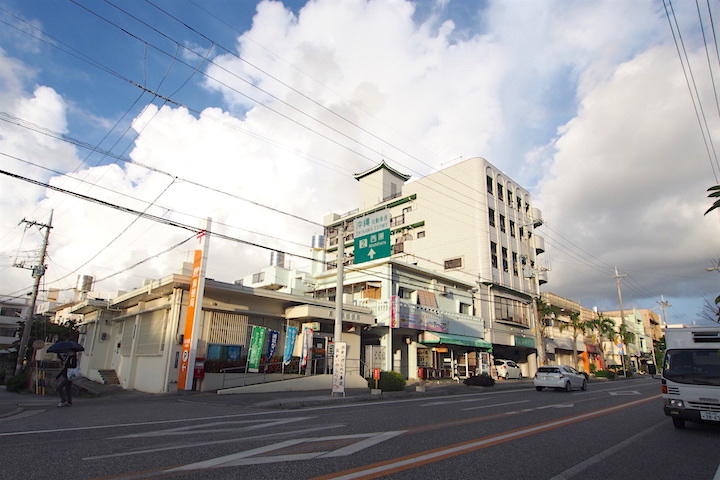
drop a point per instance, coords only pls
(272, 344)
(289, 344)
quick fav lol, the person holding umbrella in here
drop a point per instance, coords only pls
(67, 352)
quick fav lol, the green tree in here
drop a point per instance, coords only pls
(626, 337)
(710, 311)
(545, 314)
(578, 326)
(44, 329)
(714, 193)
(605, 329)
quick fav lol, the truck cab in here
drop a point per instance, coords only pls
(691, 374)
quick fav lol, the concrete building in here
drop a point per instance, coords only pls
(135, 338)
(645, 325)
(472, 225)
(11, 312)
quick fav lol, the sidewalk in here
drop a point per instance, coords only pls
(14, 403)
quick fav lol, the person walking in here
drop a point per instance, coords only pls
(64, 388)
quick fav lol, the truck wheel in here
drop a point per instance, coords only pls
(678, 422)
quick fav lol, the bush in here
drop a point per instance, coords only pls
(389, 382)
(605, 374)
(482, 380)
(17, 383)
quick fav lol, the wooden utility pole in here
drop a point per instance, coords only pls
(37, 272)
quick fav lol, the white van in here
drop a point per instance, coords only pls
(691, 374)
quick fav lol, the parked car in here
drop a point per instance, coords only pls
(508, 369)
(562, 377)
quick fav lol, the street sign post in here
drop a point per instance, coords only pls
(372, 237)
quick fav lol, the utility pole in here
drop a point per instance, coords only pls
(622, 317)
(37, 272)
(339, 284)
(663, 306)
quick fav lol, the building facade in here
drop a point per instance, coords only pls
(468, 222)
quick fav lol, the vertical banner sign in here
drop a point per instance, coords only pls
(194, 311)
(307, 344)
(394, 311)
(289, 344)
(272, 344)
(338, 380)
(256, 349)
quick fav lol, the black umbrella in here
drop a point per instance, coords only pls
(65, 346)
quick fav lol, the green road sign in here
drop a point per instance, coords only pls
(372, 237)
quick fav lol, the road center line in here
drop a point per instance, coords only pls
(430, 456)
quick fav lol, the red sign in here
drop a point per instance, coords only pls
(376, 373)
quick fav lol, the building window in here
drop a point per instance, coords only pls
(501, 192)
(14, 312)
(515, 263)
(512, 229)
(7, 332)
(465, 308)
(151, 333)
(406, 210)
(502, 223)
(508, 310)
(510, 197)
(493, 254)
(421, 234)
(505, 259)
(453, 263)
(519, 203)
(489, 185)
(491, 216)
(405, 293)
(258, 277)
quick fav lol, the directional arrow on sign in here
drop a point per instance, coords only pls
(371, 254)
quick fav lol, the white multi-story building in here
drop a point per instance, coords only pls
(469, 224)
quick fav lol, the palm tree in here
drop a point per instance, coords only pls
(605, 330)
(626, 337)
(578, 326)
(545, 311)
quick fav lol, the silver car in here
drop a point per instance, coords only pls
(562, 377)
(508, 369)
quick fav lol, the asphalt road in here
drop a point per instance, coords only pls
(612, 430)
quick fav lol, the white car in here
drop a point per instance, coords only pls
(508, 369)
(562, 377)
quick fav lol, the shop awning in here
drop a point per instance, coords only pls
(449, 339)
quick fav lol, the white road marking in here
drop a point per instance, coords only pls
(215, 427)
(255, 456)
(621, 393)
(496, 405)
(215, 442)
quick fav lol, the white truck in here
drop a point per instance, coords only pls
(691, 374)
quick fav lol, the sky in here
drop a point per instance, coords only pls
(257, 115)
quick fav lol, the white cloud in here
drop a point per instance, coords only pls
(583, 102)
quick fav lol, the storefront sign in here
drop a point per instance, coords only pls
(194, 312)
(306, 346)
(272, 344)
(289, 344)
(338, 382)
(256, 348)
(407, 315)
